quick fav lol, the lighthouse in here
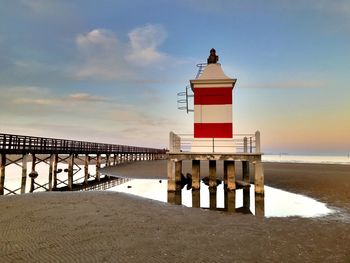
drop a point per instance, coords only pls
(214, 136)
(213, 117)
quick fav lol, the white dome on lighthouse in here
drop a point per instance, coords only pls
(213, 71)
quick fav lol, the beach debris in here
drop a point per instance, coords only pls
(129, 186)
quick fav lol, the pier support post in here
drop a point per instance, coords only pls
(196, 174)
(114, 160)
(231, 176)
(55, 171)
(178, 171)
(24, 173)
(175, 197)
(2, 172)
(225, 175)
(52, 160)
(212, 198)
(86, 169)
(196, 198)
(171, 176)
(98, 165)
(70, 171)
(230, 201)
(212, 173)
(107, 160)
(33, 162)
(245, 171)
(259, 178)
(259, 205)
(246, 198)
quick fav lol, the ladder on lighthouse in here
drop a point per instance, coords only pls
(184, 97)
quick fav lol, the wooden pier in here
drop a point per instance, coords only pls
(248, 152)
(20, 150)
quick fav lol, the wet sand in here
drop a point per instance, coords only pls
(114, 227)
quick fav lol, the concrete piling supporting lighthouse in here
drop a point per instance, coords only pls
(214, 138)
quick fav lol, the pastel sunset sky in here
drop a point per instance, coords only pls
(109, 70)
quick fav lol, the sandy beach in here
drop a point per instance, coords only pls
(115, 227)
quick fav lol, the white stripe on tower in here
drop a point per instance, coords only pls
(213, 113)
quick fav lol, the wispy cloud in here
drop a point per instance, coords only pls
(104, 57)
(75, 97)
(144, 42)
(47, 7)
(288, 84)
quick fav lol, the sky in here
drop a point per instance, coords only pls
(109, 70)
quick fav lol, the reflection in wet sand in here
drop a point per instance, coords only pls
(229, 201)
(275, 202)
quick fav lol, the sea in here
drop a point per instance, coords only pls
(321, 159)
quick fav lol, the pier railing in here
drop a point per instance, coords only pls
(239, 143)
(21, 144)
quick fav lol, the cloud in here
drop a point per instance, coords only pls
(288, 84)
(75, 97)
(144, 43)
(85, 97)
(104, 57)
(48, 7)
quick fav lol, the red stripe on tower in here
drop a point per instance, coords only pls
(213, 130)
(212, 96)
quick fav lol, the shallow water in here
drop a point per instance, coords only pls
(14, 174)
(275, 203)
(322, 159)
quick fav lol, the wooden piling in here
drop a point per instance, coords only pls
(245, 171)
(98, 165)
(196, 199)
(2, 172)
(230, 201)
(55, 171)
(24, 174)
(171, 197)
(86, 169)
(225, 175)
(246, 198)
(259, 205)
(171, 176)
(70, 171)
(178, 171)
(212, 198)
(259, 178)
(212, 173)
(174, 197)
(33, 162)
(107, 160)
(231, 177)
(52, 160)
(196, 174)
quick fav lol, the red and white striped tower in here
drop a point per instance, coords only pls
(213, 125)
